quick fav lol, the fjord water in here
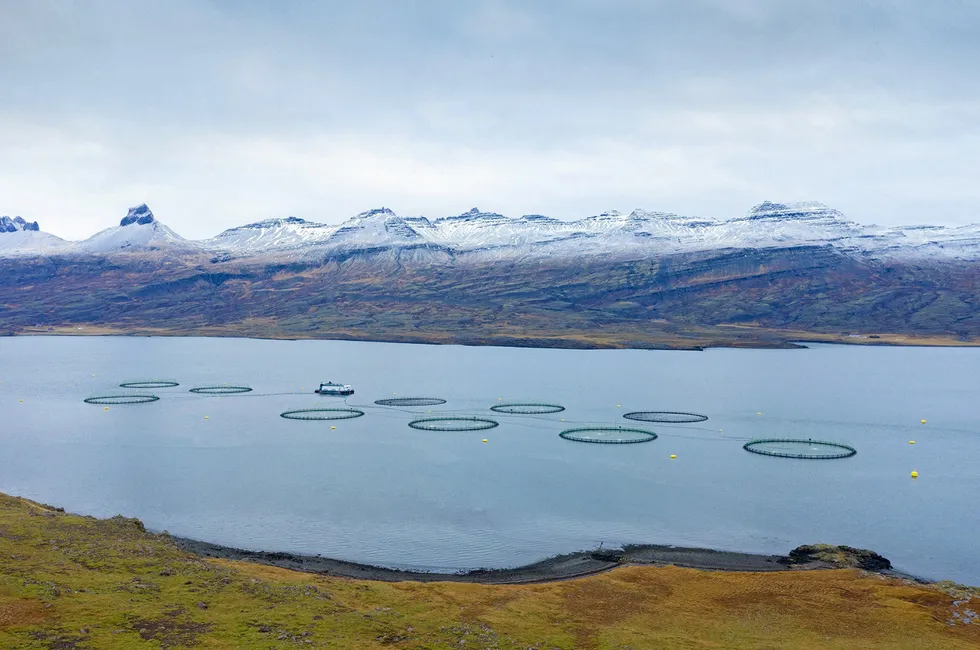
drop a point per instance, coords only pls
(374, 490)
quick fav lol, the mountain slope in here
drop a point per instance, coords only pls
(138, 230)
(271, 234)
(780, 273)
(679, 300)
(479, 237)
(19, 238)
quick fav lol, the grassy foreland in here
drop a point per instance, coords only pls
(68, 581)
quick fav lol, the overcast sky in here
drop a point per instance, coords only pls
(218, 113)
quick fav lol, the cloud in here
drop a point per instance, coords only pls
(217, 113)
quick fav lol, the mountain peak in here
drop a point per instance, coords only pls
(795, 210)
(140, 215)
(17, 223)
(376, 212)
(275, 222)
(477, 215)
(608, 215)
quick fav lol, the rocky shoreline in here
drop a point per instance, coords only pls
(566, 566)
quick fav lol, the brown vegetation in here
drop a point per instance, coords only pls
(76, 582)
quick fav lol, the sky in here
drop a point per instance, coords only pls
(219, 113)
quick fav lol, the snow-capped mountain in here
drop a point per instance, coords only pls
(271, 234)
(486, 231)
(20, 237)
(16, 224)
(373, 228)
(295, 238)
(634, 279)
(138, 230)
(486, 236)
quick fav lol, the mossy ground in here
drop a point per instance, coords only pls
(75, 582)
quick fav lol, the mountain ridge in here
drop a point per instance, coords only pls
(785, 272)
(474, 232)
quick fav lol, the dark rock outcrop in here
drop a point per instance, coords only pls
(839, 556)
(139, 215)
(16, 224)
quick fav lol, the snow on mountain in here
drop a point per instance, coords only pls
(476, 230)
(669, 231)
(271, 234)
(29, 243)
(292, 238)
(17, 224)
(487, 236)
(924, 242)
(375, 227)
(138, 230)
(19, 237)
(644, 233)
(783, 224)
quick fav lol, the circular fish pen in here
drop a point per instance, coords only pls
(410, 401)
(453, 424)
(111, 400)
(527, 408)
(322, 414)
(153, 383)
(609, 435)
(666, 417)
(803, 448)
(220, 390)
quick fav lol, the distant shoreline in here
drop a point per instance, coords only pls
(559, 567)
(555, 568)
(579, 341)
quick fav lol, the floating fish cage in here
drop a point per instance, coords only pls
(802, 448)
(453, 424)
(609, 435)
(666, 417)
(527, 408)
(410, 401)
(322, 414)
(129, 398)
(220, 390)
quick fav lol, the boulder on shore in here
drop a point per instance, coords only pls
(838, 556)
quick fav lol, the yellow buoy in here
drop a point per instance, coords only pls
(673, 455)
(915, 474)
(107, 408)
(500, 399)
(911, 442)
(617, 406)
(207, 417)
(484, 440)
(21, 400)
(333, 427)
(758, 412)
(923, 421)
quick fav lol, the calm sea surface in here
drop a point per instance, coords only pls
(374, 490)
